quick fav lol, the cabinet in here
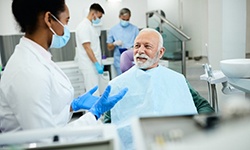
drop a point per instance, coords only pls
(71, 69)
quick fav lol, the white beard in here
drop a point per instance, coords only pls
(149, 62)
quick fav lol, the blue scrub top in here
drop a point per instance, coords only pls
(127, 35)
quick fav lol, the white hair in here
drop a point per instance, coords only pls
(160, 45)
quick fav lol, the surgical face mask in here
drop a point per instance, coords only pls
(60, 41)
(149, 62)
(96, 21)
(124, 23)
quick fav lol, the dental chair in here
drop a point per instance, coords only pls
(213, 77)
(234, 77)
(127, 60)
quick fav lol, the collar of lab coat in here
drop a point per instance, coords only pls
(88, 21)
(45, 58)
(37, 48)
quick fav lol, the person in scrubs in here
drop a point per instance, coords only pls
(88, 52)
(121, 37)
(34, 92)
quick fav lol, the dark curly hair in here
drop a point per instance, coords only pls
(26, 12)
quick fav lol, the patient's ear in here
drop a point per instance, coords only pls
(162, 50)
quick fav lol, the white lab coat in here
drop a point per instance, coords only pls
(86, 32)
(35, 93)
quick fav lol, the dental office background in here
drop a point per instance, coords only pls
(223, 24)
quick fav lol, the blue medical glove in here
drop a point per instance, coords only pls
(86, 101)
(105, 103)
(99, 68)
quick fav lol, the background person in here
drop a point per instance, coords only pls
(34, 91)
(88, 48)
(121, 35)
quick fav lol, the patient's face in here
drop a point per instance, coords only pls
(146, 54)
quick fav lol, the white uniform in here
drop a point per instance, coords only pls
(85, 32)
(34, 92)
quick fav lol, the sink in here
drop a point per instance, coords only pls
(236, 68)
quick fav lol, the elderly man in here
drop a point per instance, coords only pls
(153, 89)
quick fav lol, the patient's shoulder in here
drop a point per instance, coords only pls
(168, 71)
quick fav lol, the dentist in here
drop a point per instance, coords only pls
(121, 36)
(34, 92)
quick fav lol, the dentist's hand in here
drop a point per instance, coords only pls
(117, 43)
(86, 101)
(105, 103)
(98, 68)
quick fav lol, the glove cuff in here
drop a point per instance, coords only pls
(74, 106)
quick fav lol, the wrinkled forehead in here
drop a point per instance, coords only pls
(147, 37)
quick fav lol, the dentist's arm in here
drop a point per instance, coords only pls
(91, 55)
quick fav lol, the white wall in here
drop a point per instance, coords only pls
(8, 25)
(215, 32)
(138, 10)
(189, 16)
(248, 27)
(234, 29)
(194, 15)
(226, 30)
(77, 8)
(170, 7)
(193, 19)
(204, 27)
